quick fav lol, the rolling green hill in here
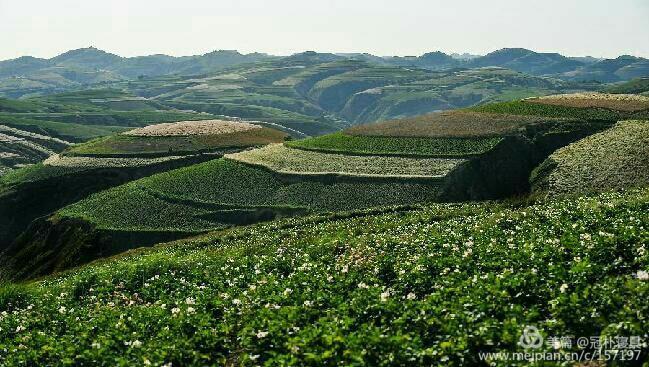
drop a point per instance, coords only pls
(437, 285)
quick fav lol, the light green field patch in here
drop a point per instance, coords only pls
(282, 159)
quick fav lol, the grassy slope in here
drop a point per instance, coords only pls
(617, 158)
(434, 286)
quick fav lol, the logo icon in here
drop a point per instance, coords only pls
(531, 338)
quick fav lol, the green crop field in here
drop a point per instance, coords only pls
(617, 158)
(402, 146)
(434, 286)
(199, 197)
(282, 159)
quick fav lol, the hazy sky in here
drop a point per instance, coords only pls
(401, 27)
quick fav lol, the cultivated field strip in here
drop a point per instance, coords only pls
(58, 160)
(282, 159)
(19, 148)
(445, 147)
(455, 124)
(619, 102)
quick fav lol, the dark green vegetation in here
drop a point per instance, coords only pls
(401, 146)
(617, 158)
(637, 86)
(432, 286)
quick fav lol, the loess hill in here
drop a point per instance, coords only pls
(482, 153)
(82, 169)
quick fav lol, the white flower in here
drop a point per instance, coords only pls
(261, 334)
(642, 275)
(190, 301)
(175, 311)
(62, 309)
(191, 310)
(362, 285)
(384, 296)
(253, 357)
(95, 345)
(20, 328)
(411, 296)
(308, 303)
(288, 291)
(236, 301)
(563, 288)
(136, 344)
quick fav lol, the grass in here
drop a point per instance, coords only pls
(165, 145)
(453, 124)
(434, 286)
(614, 159)
(201, 197)
(282, 159)
(408, 146)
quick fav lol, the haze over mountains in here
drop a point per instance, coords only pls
(87, 66)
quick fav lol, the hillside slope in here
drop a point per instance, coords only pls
(439, 285)
(83, 169)
(615, 159)
(457, 155)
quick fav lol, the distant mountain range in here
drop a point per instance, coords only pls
(28, 75)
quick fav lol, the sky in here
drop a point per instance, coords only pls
(600, 28)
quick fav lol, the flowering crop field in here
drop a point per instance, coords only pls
(196, 198)
(618, 102)
(432, 286)
(282, 159)
(614, 159)
(190, 128)
(403, 146)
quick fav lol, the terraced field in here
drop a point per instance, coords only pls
(453, 124)
(180, 138)
(344, 142)
(285, 160)
(401, 162)
(434, 286)
(19, 148)
(86, 168)
(615, 159)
